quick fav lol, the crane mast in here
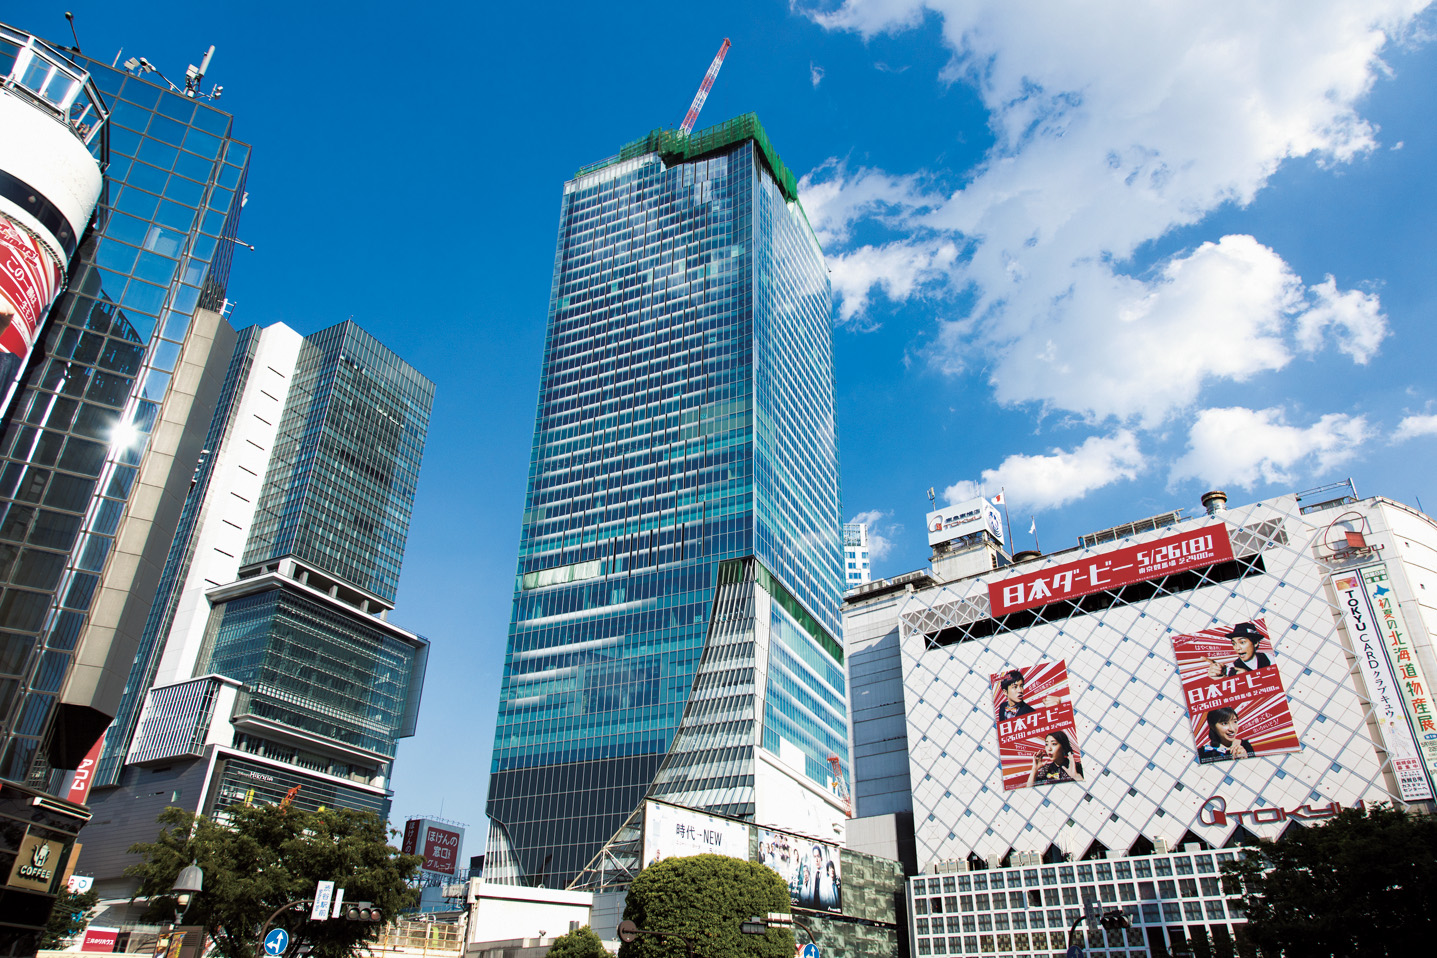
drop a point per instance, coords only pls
(692, 116)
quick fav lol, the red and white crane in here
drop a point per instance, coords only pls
(692, 116)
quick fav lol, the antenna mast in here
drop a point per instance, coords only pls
(687, 126)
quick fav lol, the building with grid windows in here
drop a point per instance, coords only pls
(857, 569)
(267, 663)
(1101, 728)
(680, 565)
(107, 414)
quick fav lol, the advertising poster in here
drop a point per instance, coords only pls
(1368, 643)
(411, 836)
(1402, 654)
(1197, 549)
(810, 867)
(673, 832)
(441, 850)
(1234, 693)
(1037, 740)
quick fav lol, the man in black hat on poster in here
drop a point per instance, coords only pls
(1245, 637)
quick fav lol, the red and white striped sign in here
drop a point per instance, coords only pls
(29, 279)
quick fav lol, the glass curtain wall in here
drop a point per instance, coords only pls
(670, 283)
(161, 248)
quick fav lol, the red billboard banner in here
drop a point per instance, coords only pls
(1037, 740)
(1178, 553)
(1234, 693)
(411, 836)
(441, 850)
(100, 939)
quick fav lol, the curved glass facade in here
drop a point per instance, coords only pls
(685, 418)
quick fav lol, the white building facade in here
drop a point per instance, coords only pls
(1179, 686)
(856, 567)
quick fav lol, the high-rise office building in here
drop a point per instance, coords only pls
(680, 566)
(857, 569)
(107, 416)
(268, 667)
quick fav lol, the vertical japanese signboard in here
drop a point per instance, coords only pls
(1234, 693)
(1037, 739)
(1364, 629)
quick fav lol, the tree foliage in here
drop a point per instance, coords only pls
(579, 943)
(267, 855)
(67, 917)
(1362, 884)
(705, 898)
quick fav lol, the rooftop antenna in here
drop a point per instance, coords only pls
(692, 116)
(932, 500)
(71, 18)
(194, 75)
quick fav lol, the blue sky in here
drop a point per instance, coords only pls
(1106, 256)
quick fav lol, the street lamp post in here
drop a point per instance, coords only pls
(628, 931)
(760, 926)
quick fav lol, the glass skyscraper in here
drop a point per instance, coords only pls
(674, 628)
(79, 429)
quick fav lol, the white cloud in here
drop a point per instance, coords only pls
(897, 268)
(1414, 426)
(881, 532)
(1245, 447)
(1115, 124)
(1046, 482)
(815, 74)
(1355, 316)
(834, 199)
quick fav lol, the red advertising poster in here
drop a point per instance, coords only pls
(411, 836)
(1234, 693)
(441, 850)
(1178, 553)
(100, 939)
(1037, 742)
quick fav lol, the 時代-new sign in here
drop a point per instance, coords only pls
(1178, 553)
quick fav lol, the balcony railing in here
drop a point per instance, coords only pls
(33, 69)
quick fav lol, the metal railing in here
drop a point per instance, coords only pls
(47, 78)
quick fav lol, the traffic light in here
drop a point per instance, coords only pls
(1115, 920)
(362, 911)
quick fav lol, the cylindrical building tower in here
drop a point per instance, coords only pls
(52, 153)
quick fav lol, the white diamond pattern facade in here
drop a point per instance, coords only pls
(1143, 796)
(1138, 748)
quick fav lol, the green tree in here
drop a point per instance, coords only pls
(67, 917)
(579, 943)
(267, 855)
(705, 898)
(1362, 884)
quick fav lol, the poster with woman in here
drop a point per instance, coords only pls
(1037, 740)
(810, 868)
(1234, 693)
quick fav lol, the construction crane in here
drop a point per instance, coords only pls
(840, 784)
(692, 116)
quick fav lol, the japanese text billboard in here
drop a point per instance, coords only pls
(441, 850)
(1037, 740)
(1234, 693)
(811, 868)
(1406, 668)
(954, 522)
(1364, 628)
(673, 832)
(1178, 553)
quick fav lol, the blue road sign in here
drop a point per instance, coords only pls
(276, 942)
(810, 950)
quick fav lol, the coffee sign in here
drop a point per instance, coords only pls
(35, 864)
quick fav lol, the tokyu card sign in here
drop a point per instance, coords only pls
(1177, 553)
(1411, 680)
(673, 832)
(954, 522)
(1360, 623)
